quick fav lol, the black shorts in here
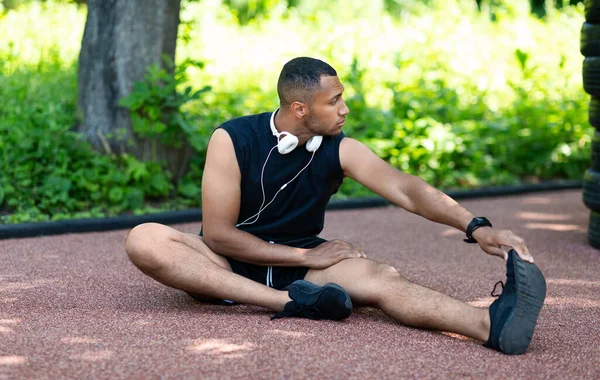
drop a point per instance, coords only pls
(276, 277)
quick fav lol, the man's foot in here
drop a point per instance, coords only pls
(514, 314)
(316, 302)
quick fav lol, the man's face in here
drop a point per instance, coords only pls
(327, 113)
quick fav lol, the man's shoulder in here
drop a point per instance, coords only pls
(246, 122)
(243, 130)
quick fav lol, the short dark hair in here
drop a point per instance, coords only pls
(299, 77)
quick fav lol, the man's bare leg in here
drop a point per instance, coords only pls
(184, 262)
(379, 285)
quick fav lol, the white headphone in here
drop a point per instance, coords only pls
(289, 142)
(284, 145)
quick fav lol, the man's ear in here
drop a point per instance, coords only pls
(299, 109)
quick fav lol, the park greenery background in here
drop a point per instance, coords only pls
(460, 95)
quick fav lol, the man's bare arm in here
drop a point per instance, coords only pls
(407, 191)
(220, 208)
(415, 195)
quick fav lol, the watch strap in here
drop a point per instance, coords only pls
(473, 226)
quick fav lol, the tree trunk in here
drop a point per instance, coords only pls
(121, 39)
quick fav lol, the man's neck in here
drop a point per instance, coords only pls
(286, 122)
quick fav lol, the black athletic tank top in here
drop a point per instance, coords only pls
(299, 209)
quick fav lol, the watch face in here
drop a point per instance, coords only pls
(476, 223)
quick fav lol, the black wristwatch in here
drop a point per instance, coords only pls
(475, 224)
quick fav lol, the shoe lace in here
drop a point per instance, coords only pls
(494, 290)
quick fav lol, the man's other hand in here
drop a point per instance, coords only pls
(330, 253)
(491, 241)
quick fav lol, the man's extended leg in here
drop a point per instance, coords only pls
(380, 285)
(184, 262)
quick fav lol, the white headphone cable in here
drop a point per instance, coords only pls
(262, 172)
(261, 209)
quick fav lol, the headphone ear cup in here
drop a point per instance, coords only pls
(314, 143)
(287, 144)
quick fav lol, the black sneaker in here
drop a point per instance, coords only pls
(316, 302)
(514, 314)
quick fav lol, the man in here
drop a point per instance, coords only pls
(266, 184)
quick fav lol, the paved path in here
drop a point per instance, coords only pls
(73, 306)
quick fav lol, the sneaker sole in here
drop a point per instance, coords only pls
(331, 292)
(531, 292)
(340, 314)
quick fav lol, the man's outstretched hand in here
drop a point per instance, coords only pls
(492, 241)
(330, 253)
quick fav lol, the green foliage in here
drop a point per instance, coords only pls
(156, 106)
(48, 171)
(248, 10)
(443, 91)
(451, 144)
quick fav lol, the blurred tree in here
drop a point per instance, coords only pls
(121, 39)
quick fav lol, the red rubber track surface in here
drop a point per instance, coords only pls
(73, 306)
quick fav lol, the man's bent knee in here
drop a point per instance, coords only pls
(387, 270)
(144, 243)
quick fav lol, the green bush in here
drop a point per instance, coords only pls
(156, 106)
(48, 171)
(438, 89)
